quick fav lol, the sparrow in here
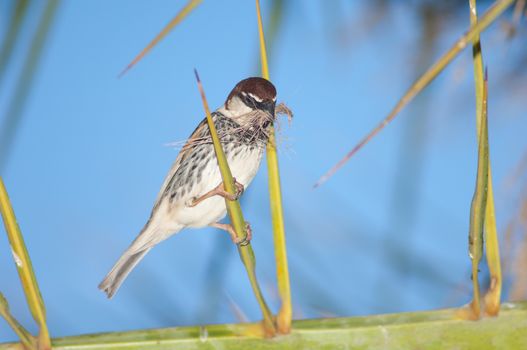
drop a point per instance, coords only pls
(192, 194)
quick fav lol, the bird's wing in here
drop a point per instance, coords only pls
(197, 135)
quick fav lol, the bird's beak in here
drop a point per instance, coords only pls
(270, 107)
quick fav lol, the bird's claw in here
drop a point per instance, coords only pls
(218, 191)
(239, 191)
(241, 241)
(247, 239)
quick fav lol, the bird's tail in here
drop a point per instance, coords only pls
(146, 240)
(120, 270)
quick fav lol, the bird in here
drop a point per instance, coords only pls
(192, 195)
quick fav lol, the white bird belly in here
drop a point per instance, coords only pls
(244, 167)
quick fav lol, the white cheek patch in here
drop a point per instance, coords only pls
(237, 107)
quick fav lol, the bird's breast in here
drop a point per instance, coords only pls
(244, 161)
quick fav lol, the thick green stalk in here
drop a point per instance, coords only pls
(439, 329)
(24, 268)
(238, 222)
(285, 313)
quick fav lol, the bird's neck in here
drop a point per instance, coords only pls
(236, 109)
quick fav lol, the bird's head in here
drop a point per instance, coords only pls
(252, 101)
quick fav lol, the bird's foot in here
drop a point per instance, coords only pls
(239, 188)
(219, 191)
(235, 239)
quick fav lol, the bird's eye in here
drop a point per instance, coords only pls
(247, 100)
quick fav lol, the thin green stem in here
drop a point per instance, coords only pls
(479, 204)
(493, 295)
(285, 313)
(14, 114)
(8, 42)
(25, 337)
(24, 267)
(236, 216)
(488, 18)
(181, 15)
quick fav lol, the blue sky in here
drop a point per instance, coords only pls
(91, 154)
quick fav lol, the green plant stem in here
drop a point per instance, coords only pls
(478, 64)
(25, 337)
(181, 15)
(237, 220)
(439, 329)
(13, 116)
(488, 18)
(8, 42)
(24, 267)
(493, 295)
(492, 251)
(478, 84)
(479, 204)
(285, 313)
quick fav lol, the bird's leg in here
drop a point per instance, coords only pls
(220, 191)
(232, 232)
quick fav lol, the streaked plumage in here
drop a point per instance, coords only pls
(242, 124)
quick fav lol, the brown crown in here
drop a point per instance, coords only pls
(259, 87)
